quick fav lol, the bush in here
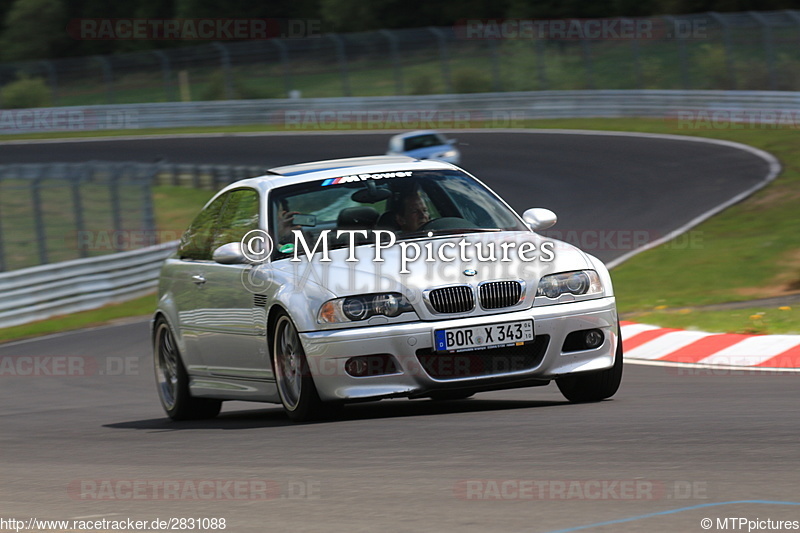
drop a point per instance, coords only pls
(421, 84)
(215, 89)
(25, 92)
(471, 80)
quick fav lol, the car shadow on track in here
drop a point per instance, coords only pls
(275, 417)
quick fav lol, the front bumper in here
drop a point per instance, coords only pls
(328, 351)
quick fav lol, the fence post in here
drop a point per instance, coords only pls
(166, 73)
(587, 59)
(116, 172)
(287, 67)
(726, 41)
(497, 85)
(52, 79)
(769, 53)
(2, 250)
(225, 64)
(682, 56)
(398, 69)
(38, 215)
(444, 58)
(341, 55)
(75, 177)
(108, 78)
(792, 14)
(148, 216)
(541, 68)
(637, 57)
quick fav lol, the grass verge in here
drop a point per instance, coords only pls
(83, 319)
(749, 251)
(753, 321)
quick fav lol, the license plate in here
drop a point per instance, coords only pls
(485, 336)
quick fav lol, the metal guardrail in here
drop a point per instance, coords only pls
(397, 112)
(43, 291)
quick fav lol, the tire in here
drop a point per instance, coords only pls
(596, 386)
(172, 380)
(292, 376)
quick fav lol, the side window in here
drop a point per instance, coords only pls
(239, 216)
(196, 241)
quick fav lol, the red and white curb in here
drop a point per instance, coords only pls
(642, 343)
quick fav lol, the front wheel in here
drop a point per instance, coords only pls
(173, 380)
(295, 385)
(595, 386)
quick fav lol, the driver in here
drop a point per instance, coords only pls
(413, 212)
(286, 222)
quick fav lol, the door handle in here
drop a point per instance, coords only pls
(198, 279)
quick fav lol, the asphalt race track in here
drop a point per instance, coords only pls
(82, 435)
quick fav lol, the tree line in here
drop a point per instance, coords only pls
(38, 29)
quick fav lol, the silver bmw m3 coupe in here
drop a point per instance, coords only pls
(382, 277)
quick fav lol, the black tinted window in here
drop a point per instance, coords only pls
(239, 216)
(196, 241)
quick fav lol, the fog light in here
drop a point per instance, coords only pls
(594, 338)
(371, 365)
(357, 366)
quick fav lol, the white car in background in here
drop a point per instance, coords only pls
(425, 144)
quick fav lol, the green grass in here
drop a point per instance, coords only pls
(751, 250)
(756, 320)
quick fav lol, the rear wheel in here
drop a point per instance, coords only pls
(292, 376)
(595, 386)
(173, 380)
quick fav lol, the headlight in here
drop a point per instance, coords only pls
(449, 153)
(580, 282)
(356, 308)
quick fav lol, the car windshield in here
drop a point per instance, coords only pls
(423, 141)
(411, 204)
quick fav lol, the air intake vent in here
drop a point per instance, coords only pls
(499, 294)
(459, 299)
(259, 300)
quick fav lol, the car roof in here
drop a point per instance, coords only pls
(334, 168)
(337, 164)
(416, 133)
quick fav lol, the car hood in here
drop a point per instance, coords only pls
(364, 275)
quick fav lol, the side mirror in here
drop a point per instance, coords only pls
(539, 219)
(230, 254)
(452, 141)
